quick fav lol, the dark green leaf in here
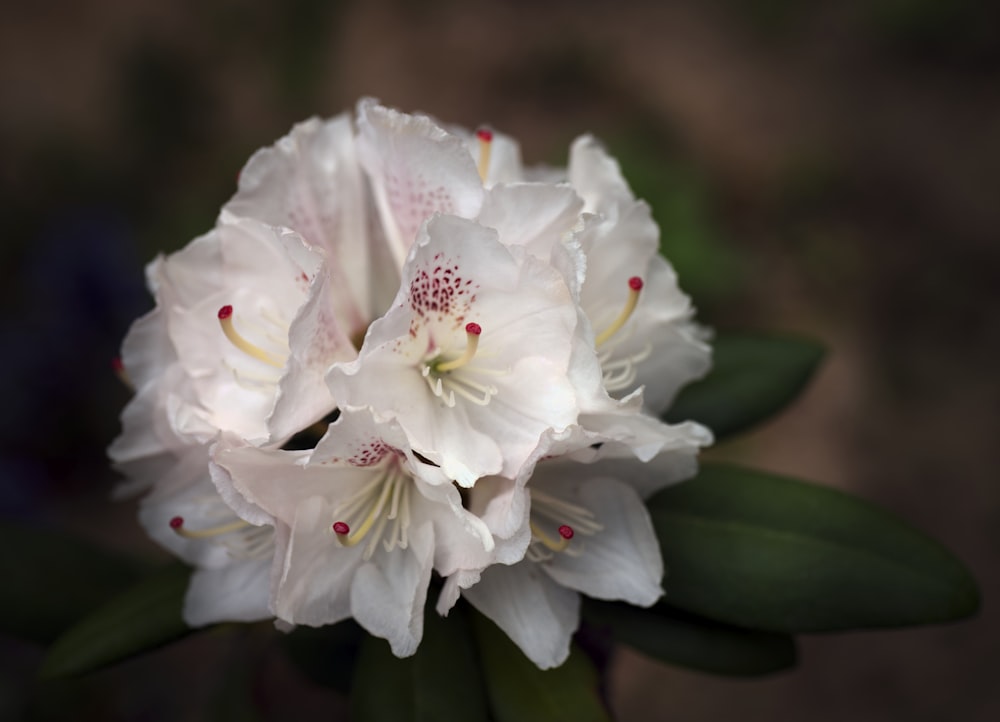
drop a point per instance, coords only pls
(770, 553)
(145, 616)
(520, 692)
(689, 641)
(51, 580)
(752, 378)
(326, 655)
(440, 683)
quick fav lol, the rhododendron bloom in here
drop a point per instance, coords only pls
(239, 341)
(472, 360)
(311, 182)
(232, 559)
(495, 344)
(357, 533)
(642, 320)
(587, 532)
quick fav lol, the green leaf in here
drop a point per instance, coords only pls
(51, 580)
(689, 641)
(752, 378)
(145, 616)
(771, 553)
(440, 683)
(520, 692)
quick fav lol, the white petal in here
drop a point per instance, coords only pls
(452, 589)
(261, 484)
(640, 449)
(462, 539)
(503, 505)
(188, 493)
(235, 593)
(316, 339)
(310, 181)
(620, 562)
(146, 350)
(535, 216)
(537, 614)
(314, 587)
(389, 592)
(416, 169)
(597, 176)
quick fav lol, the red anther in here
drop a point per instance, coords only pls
(474, 328)
(566, 531)
(341, 528)
(635, 283)
(177, 522)
(484, 135)
(117, 365)
(225, 312)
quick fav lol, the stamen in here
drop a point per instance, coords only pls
(485, 147)
(472, 331)
(349, 539)
(119, 368)
(556, 545)
(226, 321)
(634, 286)
(177, 524)
(620, 373)
(385, 503)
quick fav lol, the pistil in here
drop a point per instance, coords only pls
(226, 322)
(472, 332)
(387, 500)
(634, 287)
(177, 524)
(485, 149)
(119, 368)
(573, 520)
(555, 545)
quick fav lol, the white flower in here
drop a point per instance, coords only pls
(583, 529)
(473, 358)
(232, 559)
(642, 320)
(311, 181)
(357, 534)
(530, 322)
(239, 341)
(249, 318)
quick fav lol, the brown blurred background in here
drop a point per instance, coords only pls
(829, 168)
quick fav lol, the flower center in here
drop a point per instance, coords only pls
(445, 384)
(548, 511)
(485, 138)
(379, 510)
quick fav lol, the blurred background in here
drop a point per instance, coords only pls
(827, 168)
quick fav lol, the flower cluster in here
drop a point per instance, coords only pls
(400, 352)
